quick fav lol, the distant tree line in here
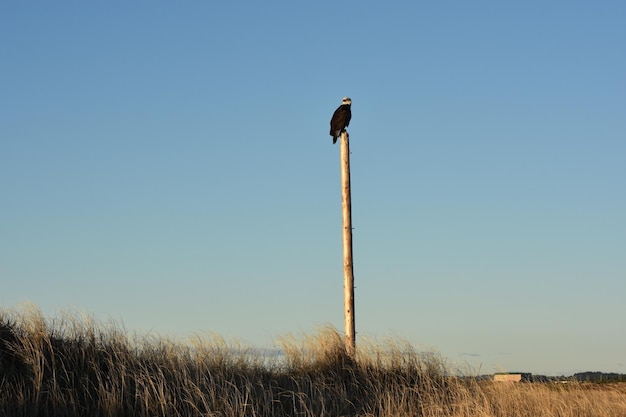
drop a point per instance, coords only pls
(589, 376)
(599, 377)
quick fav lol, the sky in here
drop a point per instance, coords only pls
(167, 166)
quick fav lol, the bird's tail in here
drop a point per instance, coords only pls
(334, 139)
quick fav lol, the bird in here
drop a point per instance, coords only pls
(341, 119)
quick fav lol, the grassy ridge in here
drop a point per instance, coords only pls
(73, 366)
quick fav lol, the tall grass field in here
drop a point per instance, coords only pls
(74, 366)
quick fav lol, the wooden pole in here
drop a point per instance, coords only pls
(348, 276)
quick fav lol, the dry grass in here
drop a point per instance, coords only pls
(73, 366)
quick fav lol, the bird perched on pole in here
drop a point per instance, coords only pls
(341, 118)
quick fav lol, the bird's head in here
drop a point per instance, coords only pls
(346, 100)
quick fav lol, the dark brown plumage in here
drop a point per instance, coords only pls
(341, 118)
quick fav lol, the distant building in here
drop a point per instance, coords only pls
(512, 377)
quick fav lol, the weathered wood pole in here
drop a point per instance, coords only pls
(348, 275)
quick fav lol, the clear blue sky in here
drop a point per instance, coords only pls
(168, 165)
